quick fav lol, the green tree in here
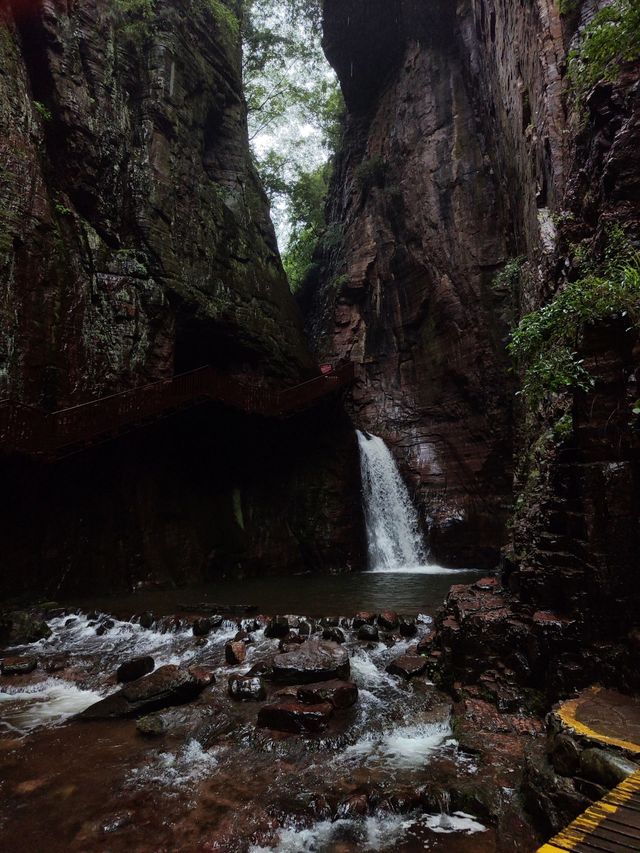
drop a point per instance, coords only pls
(295, 112)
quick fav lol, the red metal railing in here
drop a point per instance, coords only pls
(30, 430)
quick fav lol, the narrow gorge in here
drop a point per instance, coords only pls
(332, 554)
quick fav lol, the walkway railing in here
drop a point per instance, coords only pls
(30, 430)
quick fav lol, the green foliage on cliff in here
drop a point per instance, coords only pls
(611, 38)
(307, 196)
(138, 15)
(370, 173)
(545, 343)
(43, 111)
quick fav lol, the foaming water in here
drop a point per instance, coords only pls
(250, 783)
(45, 703)
(370, 834)
(401, 747)
(456, 822)
(417, 570)
(174, 771)
(393, 529)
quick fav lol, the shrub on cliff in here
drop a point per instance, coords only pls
(546, 341)
(611, 37)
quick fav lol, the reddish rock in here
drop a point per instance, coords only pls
(389, 620)
(487, 584)
(365, 617)
(315, 660)
(204, 675)
(295, 717)
(408, 666)
(340, 694)
(235, 652)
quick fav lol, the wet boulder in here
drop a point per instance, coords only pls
(201, 627)
(20, 628)
(407, 666)
(365, 617)
(335, 635)
(295, 717)
(262, 667)
(288, 643)
(305, 629)
(368, 633)
(388, 620)
(235, 652)
(315, 660)
(408, 628)
(277, 628)
(104, 626)
(339, 694)
(247, 688)
(168, 685)
(356, 805)
(18, 665)
(147, 619)
(136, 668)
(605, 768)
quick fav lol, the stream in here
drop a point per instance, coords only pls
(260, 732)
(69, 784)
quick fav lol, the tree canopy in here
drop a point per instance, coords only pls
(295, 109)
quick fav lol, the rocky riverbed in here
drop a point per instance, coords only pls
(213, 731)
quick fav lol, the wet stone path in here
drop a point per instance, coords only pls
(251, 734)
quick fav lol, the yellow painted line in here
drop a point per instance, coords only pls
(567, 713)
(583, 826)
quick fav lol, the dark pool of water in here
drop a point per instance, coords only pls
(312, 595)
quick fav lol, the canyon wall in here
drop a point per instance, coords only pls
(471, 186)
(419, 224)
(136, 243)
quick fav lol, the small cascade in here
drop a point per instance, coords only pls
(393, 531)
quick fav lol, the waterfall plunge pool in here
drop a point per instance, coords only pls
(409, 591)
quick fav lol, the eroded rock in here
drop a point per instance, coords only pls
(408, 666)
(295, 717)
(235, 652)
(315, 660)
(168, 685)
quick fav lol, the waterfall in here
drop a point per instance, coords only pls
(393, 531)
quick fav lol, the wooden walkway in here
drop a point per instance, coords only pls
(50, 435)
(611, 825)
